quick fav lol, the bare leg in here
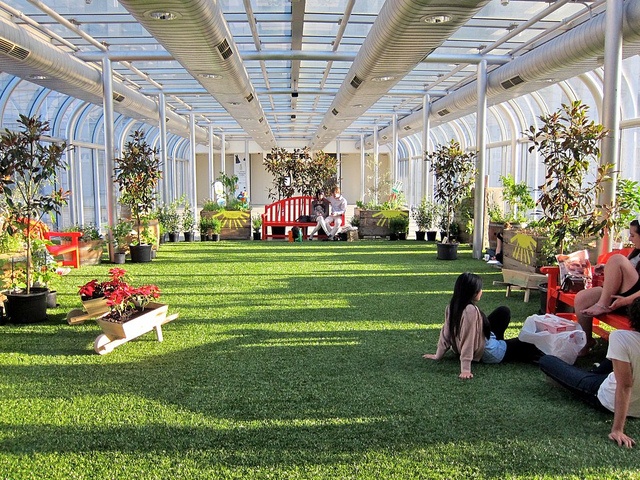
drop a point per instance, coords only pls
(619, 276)
(585, 299)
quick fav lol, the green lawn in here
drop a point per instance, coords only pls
(290, 361)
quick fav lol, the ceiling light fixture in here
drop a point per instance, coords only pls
(210, 75)
(434, 19)
(384, 78)
(162, 15)
(37, 76)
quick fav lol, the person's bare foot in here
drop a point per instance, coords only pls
(595, 310)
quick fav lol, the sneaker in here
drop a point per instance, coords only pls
(310, 239)
(494, 262)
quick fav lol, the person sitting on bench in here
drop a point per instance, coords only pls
(620, 288)
(615, 384)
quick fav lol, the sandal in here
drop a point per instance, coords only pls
(595, 310)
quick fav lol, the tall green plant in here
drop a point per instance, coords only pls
(28, 172)
(568, 143)
(137, 173)
(519, 198)
(454, 172)
(298, 172)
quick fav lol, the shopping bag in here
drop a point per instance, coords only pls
(564, 344)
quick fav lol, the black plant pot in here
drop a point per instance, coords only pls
(420, 236)
(173, 236)
(140, 253)
(393, 237)
(52, 299)
(162, 238)
(443, 234)
(257, 235)
(119, 258)
(431, 236)
(27, 308)
(402, 236)
(447, 251)
(215, 237)
(188, 236)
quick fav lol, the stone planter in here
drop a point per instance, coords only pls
(375, 223)
(119, 258)
(236, 224)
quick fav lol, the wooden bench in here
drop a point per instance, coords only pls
(71, 245)
(285, 213)
(555, 295)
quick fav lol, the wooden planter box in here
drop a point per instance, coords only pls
(375, 223)
(90, 252)
(236, 224)
(522, 251)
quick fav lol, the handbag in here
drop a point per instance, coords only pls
(574, 283)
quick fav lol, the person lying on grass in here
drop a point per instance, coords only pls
(474, 336)
(615, 384)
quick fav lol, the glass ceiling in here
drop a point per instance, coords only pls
(316, 28)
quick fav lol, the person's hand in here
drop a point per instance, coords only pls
(622, 440)
(619, 302)
(465, 375)
(429, 356)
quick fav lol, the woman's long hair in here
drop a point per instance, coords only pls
(465, 290)
(636, 227)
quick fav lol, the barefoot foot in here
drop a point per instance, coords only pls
(595, 310)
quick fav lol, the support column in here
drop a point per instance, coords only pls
(478, 210)
(610, 148)
(363, 167)
(426, 110)
(376, 159)
(210, 193)
(394, 154)
(223, 152)
(109, 150)
(162, 122)
(191, 184)
(247, 157)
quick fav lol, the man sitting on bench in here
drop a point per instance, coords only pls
(338, 208)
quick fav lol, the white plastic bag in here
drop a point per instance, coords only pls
(564, 345)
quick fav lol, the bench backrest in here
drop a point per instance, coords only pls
(288, 209)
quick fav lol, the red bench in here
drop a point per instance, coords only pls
(285, 213)
(70, 245)
(555, 295)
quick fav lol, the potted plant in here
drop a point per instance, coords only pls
(256, 224)
(568, 144)
(400, 227)
(425, 216)
(120, 234)
(29, 172)
(215, 226)
(188, 222)
(172, 221)
(204, 228)
(137, 173)
(46, 271)
(454, 172)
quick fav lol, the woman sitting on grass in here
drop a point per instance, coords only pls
(474, 336)
(615, 384)
(620, 288)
